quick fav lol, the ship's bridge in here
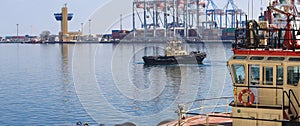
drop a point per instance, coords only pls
(267, 71)
(264, 83)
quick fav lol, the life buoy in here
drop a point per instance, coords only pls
(249, 92)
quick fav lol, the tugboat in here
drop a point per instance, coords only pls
(265, 72)
(175, 54)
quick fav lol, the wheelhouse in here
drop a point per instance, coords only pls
(274, 84)
(265, 71)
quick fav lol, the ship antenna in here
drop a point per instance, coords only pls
(121, 22)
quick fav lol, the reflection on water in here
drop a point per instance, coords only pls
(107, 84)
(65, 63)
(36, 86)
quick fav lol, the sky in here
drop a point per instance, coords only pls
(35, 16)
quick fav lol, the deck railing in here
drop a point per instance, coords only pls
(197, 107)
(265, 38)
(292, 105)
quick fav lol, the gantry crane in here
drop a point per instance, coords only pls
(234, 11)
(212, 13)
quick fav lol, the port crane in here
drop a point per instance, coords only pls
(212, 13)
(234, 12)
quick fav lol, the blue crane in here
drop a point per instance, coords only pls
(212, 4)
(234, 12)
(213, 12)
(231, 2)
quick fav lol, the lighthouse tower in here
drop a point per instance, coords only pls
(64, 17)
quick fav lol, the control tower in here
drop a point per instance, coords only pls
(64, 17)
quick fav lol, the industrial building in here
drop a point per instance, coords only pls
(26, 38)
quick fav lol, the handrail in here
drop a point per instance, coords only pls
(249, 86)
(291, 91)
(290, 101)
(273, 42)
(181, 112)
(206, 99)
(238, 117)
(283, 101)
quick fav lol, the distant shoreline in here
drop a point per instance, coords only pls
(114, 42)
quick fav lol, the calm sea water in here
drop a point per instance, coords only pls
(54, 84)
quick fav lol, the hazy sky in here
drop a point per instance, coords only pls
(35, 16)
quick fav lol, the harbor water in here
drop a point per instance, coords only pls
(55, 84)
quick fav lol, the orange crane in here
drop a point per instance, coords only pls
(289, 42)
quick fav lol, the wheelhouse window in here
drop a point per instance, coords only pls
(279, 75)
(238, 73)
(293, 75)
(276, 58)
(239, 57)
(256, 58)
(268, 75)
(294, 59)
(254, 74)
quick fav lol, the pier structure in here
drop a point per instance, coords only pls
(64, 17)
(184, 18)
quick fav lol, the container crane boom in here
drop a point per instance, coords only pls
(212, 4)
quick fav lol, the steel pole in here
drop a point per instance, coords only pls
(154, 20)
(121, 21)
(81, 24)
(166, 20)
(145, 19)
(173, 23)
(226, 19)
(197, 18)
(133, 19)
(90, 32)
(17, 32)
